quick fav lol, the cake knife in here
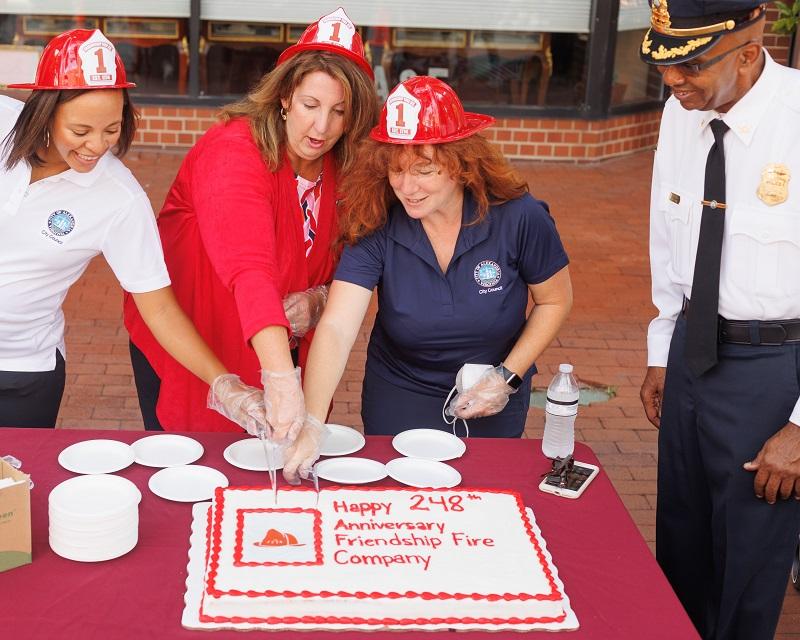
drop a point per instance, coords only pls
(315, 478)
(273, 476)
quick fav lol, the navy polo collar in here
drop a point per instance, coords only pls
(408, 232)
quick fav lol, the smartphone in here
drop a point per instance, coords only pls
(579, 477)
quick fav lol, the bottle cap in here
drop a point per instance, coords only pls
(565, 368)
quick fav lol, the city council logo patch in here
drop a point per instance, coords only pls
(60, 222)
(487, 273)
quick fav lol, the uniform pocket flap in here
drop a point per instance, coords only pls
(765, 227)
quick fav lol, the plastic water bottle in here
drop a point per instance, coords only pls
(561, 409)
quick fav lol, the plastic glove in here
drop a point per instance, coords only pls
(304, 308)
(301, 455)
(283, 400)
(239, 402)
(488, 396)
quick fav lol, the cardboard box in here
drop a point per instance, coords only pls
(15, 518)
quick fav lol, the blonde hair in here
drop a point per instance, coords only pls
(262, 106)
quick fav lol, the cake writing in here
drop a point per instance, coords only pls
(405, 532)
(371, 508)
(373, 525)
(343, 557)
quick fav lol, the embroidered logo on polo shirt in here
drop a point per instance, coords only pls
(487, 273)
(60, 222)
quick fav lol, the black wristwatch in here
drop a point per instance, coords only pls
(511, 378)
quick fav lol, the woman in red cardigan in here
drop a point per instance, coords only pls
(248, 230)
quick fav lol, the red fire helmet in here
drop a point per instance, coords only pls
(79, 59)
(425, 110)
(336, 33)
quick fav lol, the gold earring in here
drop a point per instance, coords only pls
(47, 138)
(283, 113)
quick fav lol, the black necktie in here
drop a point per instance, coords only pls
(702, 316)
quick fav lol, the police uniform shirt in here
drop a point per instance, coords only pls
(761, 248)
(49, 231)
(429, 323)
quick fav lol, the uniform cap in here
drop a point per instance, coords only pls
(79, 59)
(684, 29)
(335, 33)
(425, 110)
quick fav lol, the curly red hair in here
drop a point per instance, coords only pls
(473, 162)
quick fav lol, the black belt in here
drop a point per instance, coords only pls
(770, 333)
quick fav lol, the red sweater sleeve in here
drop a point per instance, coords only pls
(234, 195)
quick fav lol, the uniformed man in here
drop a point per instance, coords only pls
(723, 375)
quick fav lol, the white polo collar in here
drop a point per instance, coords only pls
(746, 115)
(80, 179)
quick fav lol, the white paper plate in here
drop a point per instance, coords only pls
(94, 498)
(166, 450)
(96, 544)
(341, 441)
(96, 456)
(190, 483)
(351, 470)
(430, 444)
(95, 530)
(249, 454)
(418, 472)
(78, 554)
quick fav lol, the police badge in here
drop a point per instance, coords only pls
(774, 186)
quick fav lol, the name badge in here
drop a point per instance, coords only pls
(774, 186)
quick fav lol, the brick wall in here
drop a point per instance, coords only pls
(778, 46)
(571, 140)
(520, 138)
(575, 140)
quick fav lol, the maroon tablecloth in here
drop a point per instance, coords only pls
(612, 579)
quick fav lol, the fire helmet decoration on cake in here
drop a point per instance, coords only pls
(275, 538)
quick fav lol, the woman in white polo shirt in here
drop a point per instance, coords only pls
(63, 200)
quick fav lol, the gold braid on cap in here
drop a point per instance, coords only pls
(662, 53)
(661, 23)
(659, 17)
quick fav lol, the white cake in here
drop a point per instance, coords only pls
(373, 558)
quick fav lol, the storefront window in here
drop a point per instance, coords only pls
(234, 55)
(634, 81)
(525, 53)
(520, 53)
(484, 66)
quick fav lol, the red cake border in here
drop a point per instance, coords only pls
(213, 534)
(238, 546)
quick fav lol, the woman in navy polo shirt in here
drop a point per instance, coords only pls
(437, 219)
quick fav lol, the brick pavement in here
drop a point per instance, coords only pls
(601, 212)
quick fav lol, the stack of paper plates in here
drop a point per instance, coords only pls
(94, 517)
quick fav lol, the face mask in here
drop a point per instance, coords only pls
(467, 376)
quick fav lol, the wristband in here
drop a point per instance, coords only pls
(511, 378)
